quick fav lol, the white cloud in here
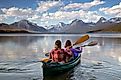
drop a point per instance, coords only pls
(28, 13)
(76, 6)
(42, 16)
(13, 11)
(87, 16)
(113, 11)
(44, 6)
(34, 17)
(16, 14)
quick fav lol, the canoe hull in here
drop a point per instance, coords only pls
(56, 68)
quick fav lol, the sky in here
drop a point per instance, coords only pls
(51, 12)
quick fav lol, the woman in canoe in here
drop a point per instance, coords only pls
(73, 52)
(57, 54)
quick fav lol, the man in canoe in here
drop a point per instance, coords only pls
(73, 52)
(57, 54)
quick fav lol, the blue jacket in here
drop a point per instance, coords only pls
(76, 51)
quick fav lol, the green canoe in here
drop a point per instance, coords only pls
(57, 68)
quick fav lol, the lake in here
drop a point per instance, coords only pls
(20, 55)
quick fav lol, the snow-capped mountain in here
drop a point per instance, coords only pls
(115, 20)
(78, 26)
(101, 20)
(77, 21)
(25, 24)
(111, 25)
(58, 28)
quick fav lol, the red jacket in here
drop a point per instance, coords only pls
(57, 55)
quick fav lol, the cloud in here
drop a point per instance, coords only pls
(84, 6)
(13, 11)
(15, 14)
(113, 11)
(42, 16)
(87, 16)
(28, 13)
(45, 6)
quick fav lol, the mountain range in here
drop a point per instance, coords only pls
(22, 26)
(76, 26)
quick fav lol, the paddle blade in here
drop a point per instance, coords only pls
(82, 39)
(93, 43)
(45, 60)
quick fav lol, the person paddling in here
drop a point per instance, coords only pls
(67, 49)
(72, 52)
(57, 54)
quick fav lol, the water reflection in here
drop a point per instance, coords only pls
(17, 48)
(106, 48)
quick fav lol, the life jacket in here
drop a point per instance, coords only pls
(68, 55)
(57, 55)
(68, 52)
(73, 52)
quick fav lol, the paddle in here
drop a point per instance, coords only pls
(45, 59)
(81, 39)
(92, 43)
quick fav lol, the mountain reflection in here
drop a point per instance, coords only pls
(17, 47)
(20, 40)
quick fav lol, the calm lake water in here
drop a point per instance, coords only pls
(20, 53)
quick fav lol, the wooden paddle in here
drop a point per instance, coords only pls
(81, 39)
(45, 59)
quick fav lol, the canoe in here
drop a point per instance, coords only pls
(58, 68)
